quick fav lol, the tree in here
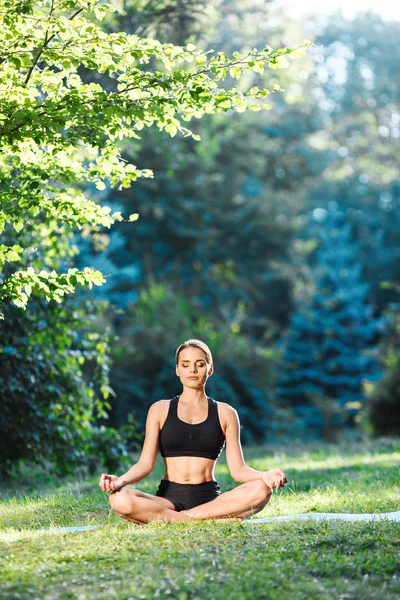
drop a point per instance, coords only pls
(328, 350)
(361, 133)
(60, 136)
(222, 209)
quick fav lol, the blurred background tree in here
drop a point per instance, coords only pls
(330, 348)
(229, 223)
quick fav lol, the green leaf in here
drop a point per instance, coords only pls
(18, 225)
(225, 104)
(171, 129)
(235, 72)
(280, 62)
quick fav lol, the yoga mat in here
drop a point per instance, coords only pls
(392, 516)
(68, 529)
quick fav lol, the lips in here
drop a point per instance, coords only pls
(192, 377)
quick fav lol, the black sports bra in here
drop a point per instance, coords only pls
(178, 438)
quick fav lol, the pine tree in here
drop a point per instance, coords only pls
(328, 349)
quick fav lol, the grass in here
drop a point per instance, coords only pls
(211, 559)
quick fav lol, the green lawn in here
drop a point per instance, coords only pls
(211, 559)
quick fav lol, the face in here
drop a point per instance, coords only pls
(192, 363)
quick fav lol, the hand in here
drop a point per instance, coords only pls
(111, 483)
(274, 478)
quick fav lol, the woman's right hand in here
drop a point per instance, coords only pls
(111, 483)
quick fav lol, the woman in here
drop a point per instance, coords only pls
(191, 430)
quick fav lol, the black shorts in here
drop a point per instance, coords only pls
(188, 495)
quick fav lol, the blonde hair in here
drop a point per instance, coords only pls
(197, 344)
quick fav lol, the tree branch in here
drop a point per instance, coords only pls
(46, 42)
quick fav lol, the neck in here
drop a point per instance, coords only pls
(193, 396)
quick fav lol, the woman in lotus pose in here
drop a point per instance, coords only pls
(191, 430)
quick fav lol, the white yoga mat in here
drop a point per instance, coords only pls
(391, 516)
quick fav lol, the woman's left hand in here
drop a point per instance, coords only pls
(274, 478)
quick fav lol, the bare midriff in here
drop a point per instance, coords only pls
(189, 469)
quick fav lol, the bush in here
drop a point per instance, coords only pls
(54, 369)
(383, 411)
(382, 414)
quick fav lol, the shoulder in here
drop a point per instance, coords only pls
(227, 413)
(226, 408)
(158, 410)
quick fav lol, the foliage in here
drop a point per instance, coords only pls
(328, 350)
(69, 94)
(222, 222)
(382, 413)
(172, 21)
(108, 449)
(60, 135)
(361, 131)
(144, 362)
(225, 208)
(54, 370)
(384, 405)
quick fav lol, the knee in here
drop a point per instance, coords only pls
(262, 492)
(120, 501)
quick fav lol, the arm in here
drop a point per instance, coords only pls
(148, 456)
(240, 472)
